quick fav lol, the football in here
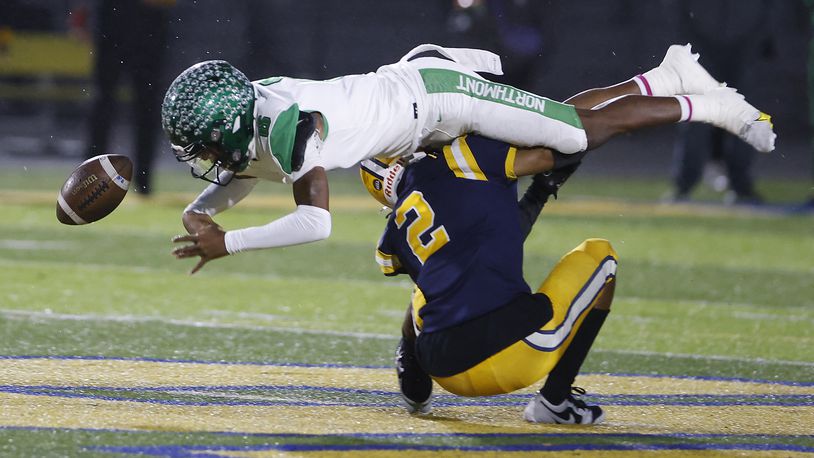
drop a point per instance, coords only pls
(94, 189)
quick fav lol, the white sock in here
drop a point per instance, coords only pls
(644, 85)
(686, 108)
(657, 82)
(701, 108)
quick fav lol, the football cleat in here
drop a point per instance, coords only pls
(415, 384)
(689, 76)
(734, 114)
(571, 411)
(760, 133)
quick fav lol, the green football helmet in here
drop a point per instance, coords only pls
(208, 115)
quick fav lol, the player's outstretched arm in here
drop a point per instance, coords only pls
(309, 223)
(531, 161)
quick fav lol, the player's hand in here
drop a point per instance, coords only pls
(196, 222)
(208, 244)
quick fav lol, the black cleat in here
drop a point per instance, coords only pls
(414, 383)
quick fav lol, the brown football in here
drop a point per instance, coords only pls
(94, 189)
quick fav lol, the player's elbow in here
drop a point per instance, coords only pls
(319, 222)
(323, 231)
(323, 234)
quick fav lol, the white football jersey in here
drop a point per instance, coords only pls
(365, 115)
(416, 102)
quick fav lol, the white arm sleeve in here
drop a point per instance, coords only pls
(306, 224)
(215, 199)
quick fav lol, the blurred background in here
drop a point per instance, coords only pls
(86, 77)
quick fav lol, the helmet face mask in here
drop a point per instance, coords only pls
(209, 108)
(203, 162)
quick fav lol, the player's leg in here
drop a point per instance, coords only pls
(702, 99)
(582, 280)
(559, 383)
(722, 107)
(528, 120)
(593, 98)
(414, 383)
(679, 73)
(628, 114)
(566, 286)
(460, 101)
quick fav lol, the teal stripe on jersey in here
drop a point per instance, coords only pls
(439, 80)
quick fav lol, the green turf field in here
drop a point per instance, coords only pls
(110, 348)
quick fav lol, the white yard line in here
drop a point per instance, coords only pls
(706, 357)
(47, 315)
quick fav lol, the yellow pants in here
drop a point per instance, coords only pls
(572, 286)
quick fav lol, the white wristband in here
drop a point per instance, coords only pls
(304, 225)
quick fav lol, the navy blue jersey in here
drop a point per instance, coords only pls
(455, 230)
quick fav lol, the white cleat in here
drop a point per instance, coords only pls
(760, 133)
(571, 411)
(736, 115)
(689, 76)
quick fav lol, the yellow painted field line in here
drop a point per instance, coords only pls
(135, 373)
(29, 411)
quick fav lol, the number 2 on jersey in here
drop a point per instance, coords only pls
(421, 226)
